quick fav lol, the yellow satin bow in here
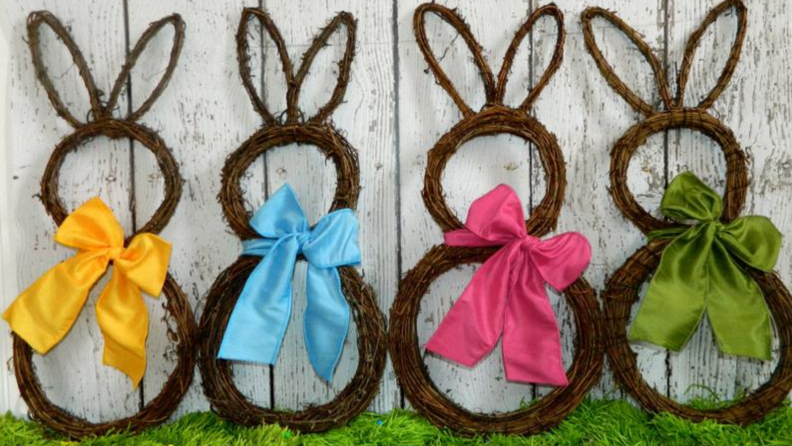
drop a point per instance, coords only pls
(44, 313)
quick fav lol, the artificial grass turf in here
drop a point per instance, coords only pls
(596, 422)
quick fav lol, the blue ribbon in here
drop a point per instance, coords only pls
(259, 320)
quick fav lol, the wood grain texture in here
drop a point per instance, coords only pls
(762, 92)
(589, 117)
(9, 392)
(210, 125)
(700, 369)
(393, 114)
(366, 118)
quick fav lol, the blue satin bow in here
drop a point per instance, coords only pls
(259, 320)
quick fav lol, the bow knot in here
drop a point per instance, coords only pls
(528, 243)
(258, 322)
(701, 270)
(507, 294)
(303, 239)
(120, 310)
(115, 253)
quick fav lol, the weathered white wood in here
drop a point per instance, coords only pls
(10, 399)
(72, 373)
(590, 123)
(205, 114)
(760, 116)
(366, 118)
(214, 116)
(700, 369)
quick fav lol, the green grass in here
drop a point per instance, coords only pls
(603, 422)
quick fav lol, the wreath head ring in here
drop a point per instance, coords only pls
(101, 122)
(675, 115)
(495, 117)
(316, 130)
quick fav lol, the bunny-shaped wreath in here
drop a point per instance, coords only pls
(217, 374)
(102, 123)
(623, 287)
(495, 118)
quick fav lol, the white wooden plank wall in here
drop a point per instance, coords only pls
(393, 113)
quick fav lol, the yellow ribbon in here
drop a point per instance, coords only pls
(44, 313)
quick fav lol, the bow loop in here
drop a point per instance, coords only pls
(493, 220)
(699, 272)
(120, 311)
(91, 226)
(689, 198)
(334, 241)
(145, 262)
(754, 240)
(281, 215)
(561, 259)
(259, 320)
(507, 295)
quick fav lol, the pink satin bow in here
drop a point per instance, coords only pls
(507, 294)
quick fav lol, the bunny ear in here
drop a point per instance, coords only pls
(178, 40)
(35, 21)
(344, 68)
(731, 62)
(607, 71)
(452, 18)
(558, 54)
(243, 57)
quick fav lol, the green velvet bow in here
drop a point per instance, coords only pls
(699, 272)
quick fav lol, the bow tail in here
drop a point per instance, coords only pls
(473, 326)
(123, 319)
(676, 297)
(326, 321)
(737, 309)
(45, 312)
(531, 340)
(258, 322)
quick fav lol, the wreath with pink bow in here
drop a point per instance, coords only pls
(506, 299)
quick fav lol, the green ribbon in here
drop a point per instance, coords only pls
(699, 272)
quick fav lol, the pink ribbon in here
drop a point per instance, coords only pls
(507, 294)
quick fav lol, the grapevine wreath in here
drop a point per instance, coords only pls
(217, 374)
(101, 123)
(494, 118)
(685, 196)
